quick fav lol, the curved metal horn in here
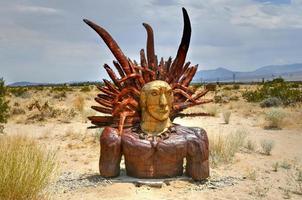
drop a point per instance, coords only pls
(185, 42)
(150, 46)
(112, 45)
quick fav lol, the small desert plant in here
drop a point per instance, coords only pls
(270, 102)
(285, 164)
(212, 109)
(275, 166)
(236, 87)
(250, 145)
(224, 147)
(19, 92)
(226, 116)
(79, 103)
(267, 146)
(251, 174)
(26, 169)
(4, 108)
(274, 118)
(85, 89)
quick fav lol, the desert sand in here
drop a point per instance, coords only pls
(250, 175)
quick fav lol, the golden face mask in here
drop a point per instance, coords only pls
(156, 100)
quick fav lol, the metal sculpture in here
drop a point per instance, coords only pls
(122, 100)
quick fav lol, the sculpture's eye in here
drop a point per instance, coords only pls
(154, 93)
(169, 92)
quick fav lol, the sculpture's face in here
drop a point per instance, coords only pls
(157, 99)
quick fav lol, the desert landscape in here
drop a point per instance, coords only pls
(255, 147)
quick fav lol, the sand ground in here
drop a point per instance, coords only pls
(251, 174)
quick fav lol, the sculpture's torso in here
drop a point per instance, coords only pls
(161, 158)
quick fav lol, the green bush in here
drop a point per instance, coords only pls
(277, 88)
(4, 108)
(270, 102)
(85, 89)
(274, 118)
(19, 91)
(26, 169)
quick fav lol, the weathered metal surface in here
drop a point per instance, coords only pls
(119, 96)
(155, 157)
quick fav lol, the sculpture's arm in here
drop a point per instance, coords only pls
(111, 153)
(198, 155)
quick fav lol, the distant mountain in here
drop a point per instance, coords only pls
(288, 72)
(24, 83)
(291, 72)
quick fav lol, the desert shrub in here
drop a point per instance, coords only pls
(251, 174)
(212, 109)
(60, 95)
(17, 111)
(277, 88)
(274, 117)
(236, 87)
(226, 116)
(61, 88)
(234, 98)
(250, 145)
(4, 108)
(285, 164)
(19, 92)
(41, 112)
(85, 89)
(26, 169)
(224, 147)
(227, 88)
(267, 146)
(79, 103)
(270, 102)
(275, 166)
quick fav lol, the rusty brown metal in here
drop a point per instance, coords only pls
(120, 98)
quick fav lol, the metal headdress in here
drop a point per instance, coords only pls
(120, 98)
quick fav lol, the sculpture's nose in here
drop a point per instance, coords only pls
(163, 100)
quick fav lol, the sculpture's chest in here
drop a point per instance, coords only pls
(174, 147)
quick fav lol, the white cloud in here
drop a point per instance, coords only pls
(36, 9)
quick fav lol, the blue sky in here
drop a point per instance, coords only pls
(46, 41)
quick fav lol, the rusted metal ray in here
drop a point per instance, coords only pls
(190, 76)
(101, 119)
(137, 83)
(123, 117)
(144, 66)
(119, 69)
(183, 93)
(150, 47)
(108, 92)
(133, 92)
(105, 97)
(199, 114)
(168, 64)
(200, 94)
(184, 88)
(103, 102)
(135, 77)
(112, 76)
(112, 45)
(111, 86)
(185, 42)
(185, 75)
(102, 109)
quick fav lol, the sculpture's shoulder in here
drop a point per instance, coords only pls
(109, 135)
(192, 133)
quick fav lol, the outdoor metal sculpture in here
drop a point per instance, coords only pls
(140, 105)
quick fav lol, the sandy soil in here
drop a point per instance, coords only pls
(251, 175)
